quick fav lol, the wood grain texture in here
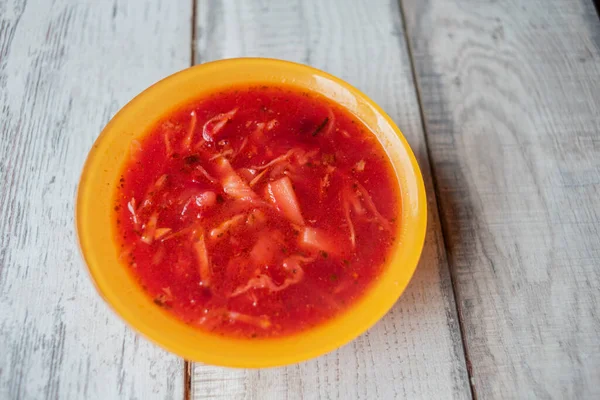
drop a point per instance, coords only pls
(415, 351)
(65, 68)
(511, 98)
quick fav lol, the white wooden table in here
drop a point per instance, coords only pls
(501, 103)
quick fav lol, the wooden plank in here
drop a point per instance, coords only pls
(65, 68)
(511, 98)
(415, 351)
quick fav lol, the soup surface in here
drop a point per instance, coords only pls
(259, 211)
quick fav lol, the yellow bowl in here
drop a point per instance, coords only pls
(118, 287)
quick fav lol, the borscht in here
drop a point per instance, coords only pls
(257, 211)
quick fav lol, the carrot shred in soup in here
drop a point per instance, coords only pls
(258, 211)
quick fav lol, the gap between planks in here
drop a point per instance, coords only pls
(194, 33)
(432, 167)
(187, 365)
(187, 380)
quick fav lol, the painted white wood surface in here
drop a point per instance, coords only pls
(511, 98)
(415, 351)
(65, 68)
(510, 95)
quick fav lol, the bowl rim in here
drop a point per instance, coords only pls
(418, 231)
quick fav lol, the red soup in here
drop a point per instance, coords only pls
(259, 211)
